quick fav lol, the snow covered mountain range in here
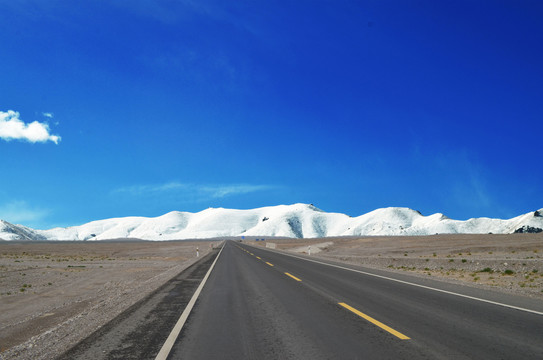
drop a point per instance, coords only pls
(298, 220)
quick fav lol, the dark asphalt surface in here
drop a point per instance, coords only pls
(251, 310)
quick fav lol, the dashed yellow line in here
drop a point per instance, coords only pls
(375, 322)
(292, 276)
(350, 308)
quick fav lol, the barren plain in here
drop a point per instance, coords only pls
(54, 294)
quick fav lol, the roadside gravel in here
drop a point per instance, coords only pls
(53, 295)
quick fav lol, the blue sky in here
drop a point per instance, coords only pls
(121, 108)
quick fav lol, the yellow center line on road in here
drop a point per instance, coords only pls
(269, 263)
(292, 276)
(259, 258)
(375, 322)
(252, 254)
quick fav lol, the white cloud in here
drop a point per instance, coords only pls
(203, 192)
(13, 128)
(48, 115)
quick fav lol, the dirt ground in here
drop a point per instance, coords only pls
(54, 294)
(59, 293)
(510, 263)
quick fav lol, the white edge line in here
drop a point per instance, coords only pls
(168, 344)
(412, 284)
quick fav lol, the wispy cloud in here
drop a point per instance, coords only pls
(151, 189)
(220, 191)
(466, 182)
(13, 128)
(20, 212)
(170, 12)
(203, 192)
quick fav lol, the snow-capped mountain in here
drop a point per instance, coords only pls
(18, 232)
(298, 220)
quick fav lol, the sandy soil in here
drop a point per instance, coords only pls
(510, 263)
(59, 293)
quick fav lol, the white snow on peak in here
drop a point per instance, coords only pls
(297, 220)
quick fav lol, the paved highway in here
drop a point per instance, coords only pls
(260, 304)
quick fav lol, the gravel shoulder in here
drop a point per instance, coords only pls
(53, 295)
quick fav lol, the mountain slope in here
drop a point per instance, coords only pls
(298, 220)
(18, 232)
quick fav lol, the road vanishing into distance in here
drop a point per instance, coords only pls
(262, 304)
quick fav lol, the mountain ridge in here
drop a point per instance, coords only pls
(297, 220)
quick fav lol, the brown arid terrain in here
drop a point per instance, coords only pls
(510, 263)
(54, 294)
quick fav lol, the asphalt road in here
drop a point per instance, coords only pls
(259, 304)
